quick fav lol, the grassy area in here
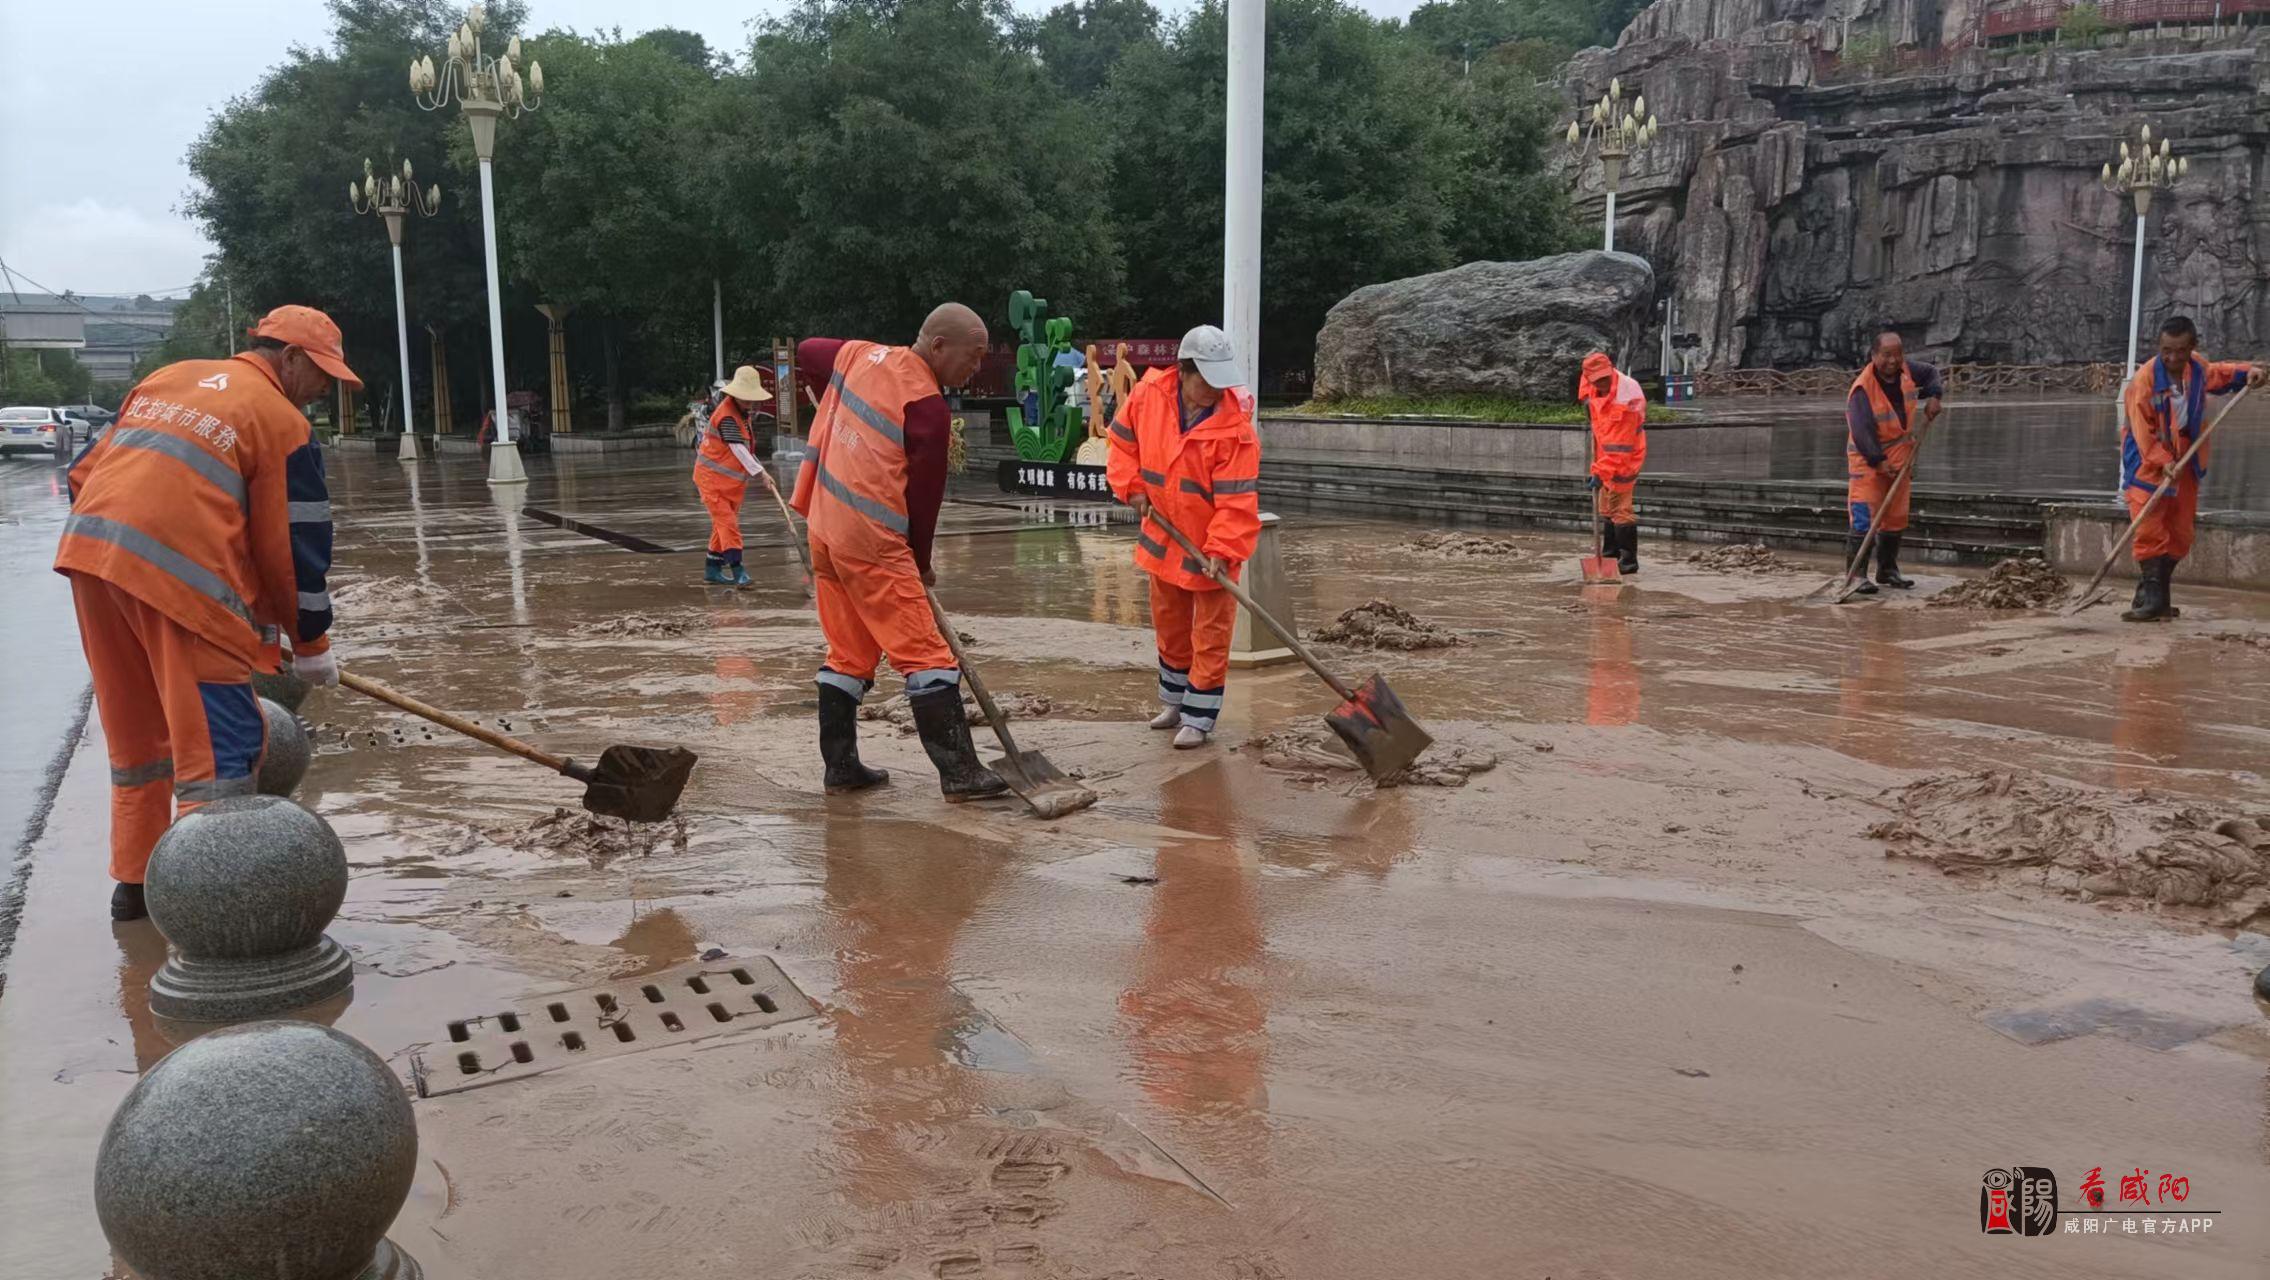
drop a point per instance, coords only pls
(1475, 407)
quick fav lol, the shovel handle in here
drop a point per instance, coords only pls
(977, 687)
(1230, 585)
(795, 534)
(2088, 594)
(373, 689)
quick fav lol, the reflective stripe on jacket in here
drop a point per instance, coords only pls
(1619, 430)
(1892, 428)
(1206, 480)
(726, 428)
(852, 487)
(207, 500)
(2150, 402)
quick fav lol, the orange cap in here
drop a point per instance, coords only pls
(1598, 365)
(313, 332)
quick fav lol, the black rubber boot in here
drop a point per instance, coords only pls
(2167, 585)
(126, 903)
(839, 744)
(2152, 582)
(1852, 543)
(1888, 562)
(938, 719)
(1627, 548)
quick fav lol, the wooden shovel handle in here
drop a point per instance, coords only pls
(2167, 482)
(977, 687)
(373, 689)
(1230, 585)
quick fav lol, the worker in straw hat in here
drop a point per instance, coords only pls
(723, 464)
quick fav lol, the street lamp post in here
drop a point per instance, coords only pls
(486, 88)
(2142, 171)
(393, 200)
(1616, 131)
(1241, 184)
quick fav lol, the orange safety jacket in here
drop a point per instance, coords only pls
(2150, 446)
(1892, 430)
(206, 500)
(726, 427)
(1619, 431)
(851, 489)
(1205, 480)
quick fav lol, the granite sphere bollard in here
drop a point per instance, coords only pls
(243, 888)
(286, 758)
(281, 687)
(274, 1149)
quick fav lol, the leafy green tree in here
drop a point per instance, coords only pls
(1080, 43)
(200, 331)
(47, 378)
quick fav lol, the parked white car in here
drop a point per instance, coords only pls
(30, 427)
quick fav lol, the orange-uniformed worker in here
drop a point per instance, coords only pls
(1892, 397)
(1619, 446)
(200, 533)
(722, 467)
(1184, 450)
(2166, 407)
(873, 478)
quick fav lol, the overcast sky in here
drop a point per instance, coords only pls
(101, 99)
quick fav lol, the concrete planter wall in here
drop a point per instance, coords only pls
(2232, 548)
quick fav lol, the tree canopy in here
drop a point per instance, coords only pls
(860, 161)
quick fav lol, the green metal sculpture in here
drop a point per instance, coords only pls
(1045, 425)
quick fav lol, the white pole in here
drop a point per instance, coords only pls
(504, 455)
(1241, 193)
(1609, 240)
(717, 322)
(2120, 384)
(228, 295)
(408, 452)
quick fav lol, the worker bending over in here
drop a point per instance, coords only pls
(873, 477)
(1891, 399)
(2166, 409)
(199, 534)
(1184, 451)
(722, 467)
(1619, 446)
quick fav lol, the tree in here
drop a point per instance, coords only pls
(1080, 43)
(200, 331)
(2083, 24)
(44, 378)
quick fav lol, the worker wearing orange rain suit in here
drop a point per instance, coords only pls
(722, 467)
(1184, 451)
(1890, 401)
(200, 532)
(873, 476)
(2165, 408)
(1619, 446)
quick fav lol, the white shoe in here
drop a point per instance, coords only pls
(1189, 736)
(1167, 719)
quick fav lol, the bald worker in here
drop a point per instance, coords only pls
(873, 478)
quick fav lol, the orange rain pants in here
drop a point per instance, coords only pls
(871, 610)
(178, 713)
(1615, 505)
(1867, 488)
(2167, 531)
(1194, 649)
(721, 496)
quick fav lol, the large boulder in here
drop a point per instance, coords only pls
(1493, 328)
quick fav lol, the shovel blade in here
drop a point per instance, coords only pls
(1377, 730)
(1050, 792)
(639, 783)
(1600, 571)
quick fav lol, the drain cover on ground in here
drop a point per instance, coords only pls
(690, 1002)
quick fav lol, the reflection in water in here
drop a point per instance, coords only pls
(141, 950)
(2150, 728)
(656, 940)
(903, 893)
(1611, 686)
(735, 698)
(1197, 1022)
(1871, 694)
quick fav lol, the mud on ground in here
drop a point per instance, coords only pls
(1312, 755)
(896, 711)
(635, 626)
(2026, 582)
(1741, 557)
(1380, 625)
(599, 841)
(1454, 544)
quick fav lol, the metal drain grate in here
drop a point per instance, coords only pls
(690, 1002)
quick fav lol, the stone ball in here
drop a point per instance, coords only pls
(285, 761)
(274, 1149)
(246, 877)
(280, 687)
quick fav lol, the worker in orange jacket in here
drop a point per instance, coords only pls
(873, 478)
(1890, 400)
(1618, 409)
(722, 466)
(1184, 451)
(2166, 407)
(200, 532)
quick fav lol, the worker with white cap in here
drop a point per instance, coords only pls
(1184, 452)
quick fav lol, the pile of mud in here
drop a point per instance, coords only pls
(2258, 639)
(1453, 545)
(635, 626)
(2084, 842)
(575, 834)
(895, 710)
(2026, 582)
(387, 599)
(1380, 625)
(1311, 753)
(1741, 557)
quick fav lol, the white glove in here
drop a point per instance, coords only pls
(319, 669)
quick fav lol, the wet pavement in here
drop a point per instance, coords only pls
(1643, 1000)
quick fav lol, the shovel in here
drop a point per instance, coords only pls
(1856, 572)
(795, 531)
(1599, 568)
(1045, 787)
(641, 784)
(1370, 718)
(2095, 592)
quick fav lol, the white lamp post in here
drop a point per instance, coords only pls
(1617, 131)
(1241, 186)
(486, 88)
(392, 200)
(2142, 171)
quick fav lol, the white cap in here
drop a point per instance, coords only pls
(1210, 348)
